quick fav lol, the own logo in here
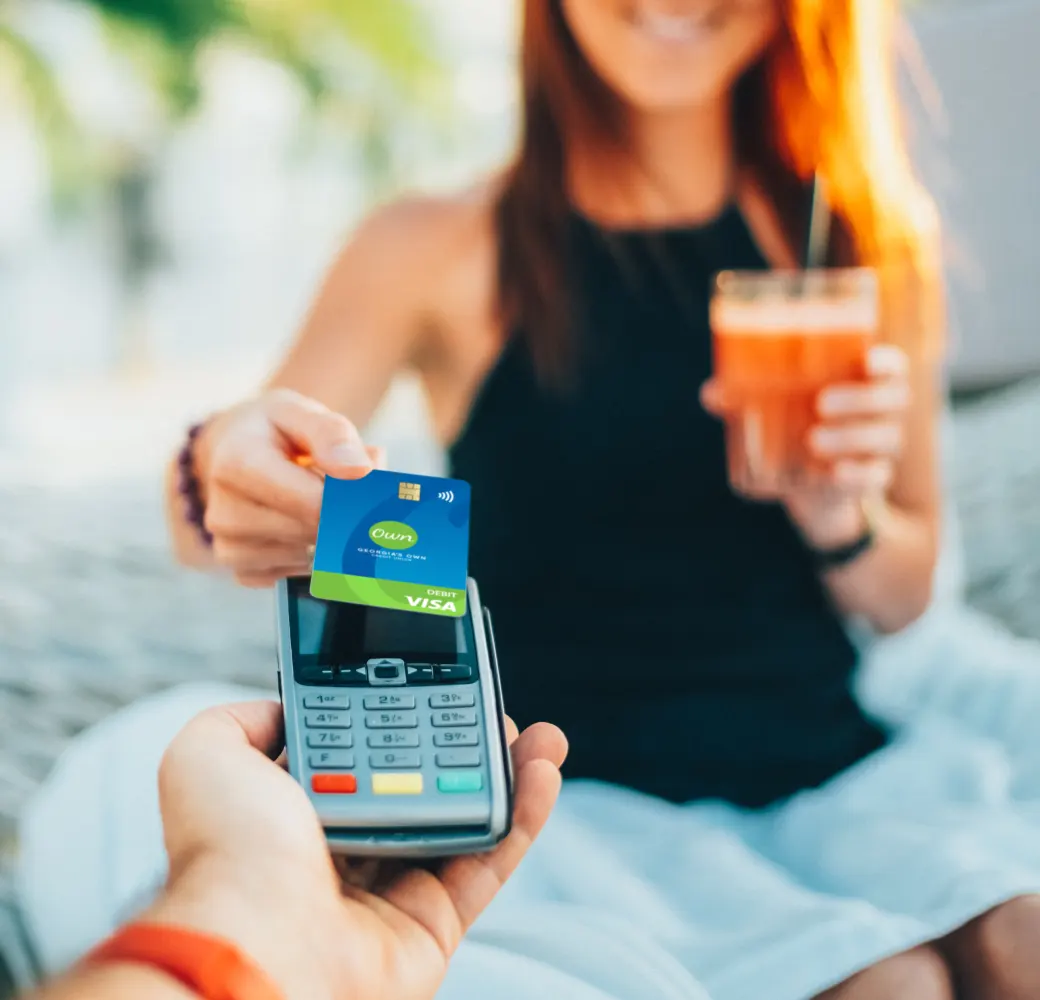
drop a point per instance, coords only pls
(393, 535)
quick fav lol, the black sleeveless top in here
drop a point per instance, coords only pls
(679, 635)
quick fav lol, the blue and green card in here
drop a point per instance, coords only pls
(394, 540)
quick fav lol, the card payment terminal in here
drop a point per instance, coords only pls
(394, 724)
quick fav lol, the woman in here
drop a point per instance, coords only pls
(692, 645)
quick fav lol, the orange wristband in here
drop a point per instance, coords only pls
(213, 968)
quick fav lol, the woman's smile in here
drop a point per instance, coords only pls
(686, 26)
(666, 55)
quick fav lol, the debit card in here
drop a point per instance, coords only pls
(394, 540)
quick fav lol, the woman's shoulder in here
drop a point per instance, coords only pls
(434, 232)
(436, 257)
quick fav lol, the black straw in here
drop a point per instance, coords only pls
(819, 226)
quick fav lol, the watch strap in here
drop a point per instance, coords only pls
(211, 967)
(843, 555)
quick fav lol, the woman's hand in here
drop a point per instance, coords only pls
(262, 507)
(857, 443)
(249, 862)
(858, 440)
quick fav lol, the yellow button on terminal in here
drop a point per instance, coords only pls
(407, 783)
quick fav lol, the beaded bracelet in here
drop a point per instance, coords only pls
(189, 488)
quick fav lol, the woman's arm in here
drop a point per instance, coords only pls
(891, 584)
(366, 324)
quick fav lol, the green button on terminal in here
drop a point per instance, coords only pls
(462, 782)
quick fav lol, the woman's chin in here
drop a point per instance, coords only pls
(670, 98)
(661, 85)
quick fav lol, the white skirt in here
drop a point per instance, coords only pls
(625, 897)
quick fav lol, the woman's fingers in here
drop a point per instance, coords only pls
(849, 477)
(879, 437)
(262, 468)
(236, 518)
(251, 557)
(263, 474)
(887, 361)
(885, 393)
(258, 544)
(377, 455)
(874, 399)
(869, 478)
(713, 398)
(328, 437)
(255, 464)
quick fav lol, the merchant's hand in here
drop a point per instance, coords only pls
(249, 862)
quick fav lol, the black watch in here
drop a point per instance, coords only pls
(843, 555)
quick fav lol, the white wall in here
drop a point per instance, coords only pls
(985, 170)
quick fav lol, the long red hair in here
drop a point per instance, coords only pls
(822, 99)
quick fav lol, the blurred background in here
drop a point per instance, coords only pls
(175, 175)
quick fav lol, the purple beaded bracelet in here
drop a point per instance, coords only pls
(188, 485)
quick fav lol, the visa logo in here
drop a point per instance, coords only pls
(433, 603)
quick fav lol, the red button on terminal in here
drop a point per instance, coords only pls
(334, 784)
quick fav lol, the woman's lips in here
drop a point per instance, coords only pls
(676, 28)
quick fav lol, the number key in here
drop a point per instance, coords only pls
(395, 758)
(392, 720)
(329, 702)
(452, 699)
(456, 738)
(329, 740)
(455, 717)
(326, 720)
(390, 701)
(393, 738)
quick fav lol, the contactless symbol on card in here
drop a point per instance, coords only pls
(393, 541)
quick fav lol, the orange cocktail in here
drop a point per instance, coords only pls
(779, 339)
